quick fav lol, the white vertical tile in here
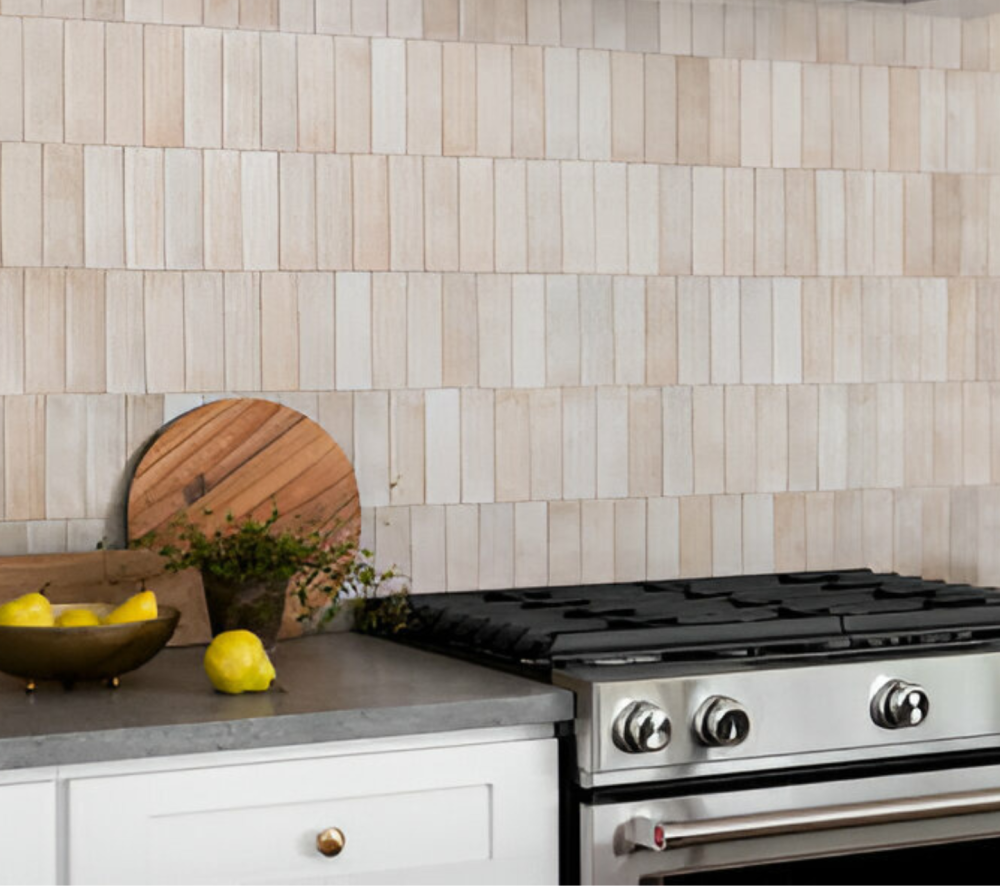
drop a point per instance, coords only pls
(86, 346)
(163, 313)
(694, 330)
(11, 80)
(643, 219)
(561, 102)
(494, 132)
(612, 442)
(528, 312)
(579, 442)
(183, 209)
(740, 428)
(278, 92)
(727, 535)
(630, 331)
(84, 86)
(104, 224)
(725, 330)
(496, 546)
(755, 336)
(494, 313)
(352, 347)
(260, 210)
(662, 538)
(708, 440)
(241, 299)
(279, 333)
(389, 333)
(314, 86)
(630, 540)
(44, 331)
(510, 181)
(830, 223)
(477, 444)
(545, 421)
(442, 446)
(423, 333)
(531, 566)
(144, 207)
(772, 439)
(204, 332)
(707, 234)
(562, 331)
(428, 556)
(513, 446)
(595, 105)
(462, 547)
(578, 239)
(43, 79)
(786, 114)
(388, 84)
(597, 541)
(371, 447)
(678, 441)
(65, 458)
(21, 204)
(564, 543)
(11, 331)
(316, 332)
(611, 218)
(755, 113)
(297, 212)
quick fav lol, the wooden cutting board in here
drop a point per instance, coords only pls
(242, 456)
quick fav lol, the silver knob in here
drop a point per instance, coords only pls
(897, 705)
(641, 728)
(722, 722)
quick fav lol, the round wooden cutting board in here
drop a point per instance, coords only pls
(243, 456)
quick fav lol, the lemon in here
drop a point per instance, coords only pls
(236, 662)
(138, 607)
(77, 618)
(28, 611)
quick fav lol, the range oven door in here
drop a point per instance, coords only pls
(898, 828)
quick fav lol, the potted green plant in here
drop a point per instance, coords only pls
(249, 566)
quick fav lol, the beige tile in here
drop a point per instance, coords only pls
(627, 107)
(597, 540)
(820, 530)
(85, 332)
(496, 546)
(241, 90)
(918, 441)
(738, 30)
(845, 105)
(817, 116)
(223, 217)
(724, 112)
(478, 437)
(876, 334)
(531, 566)
(961, 329)
(494, 318)
(352, 344)
(579, 443)
(786, 114)
(874, 118)
(661, 331)
(477, 21)
(297, 211)
(725, 330)
(662, 538)
(545, 424)
(442, 470)
(740, 417)
(755, 333)
(315, 94)
(577, 22)
(104, 228)
(786, 312)
(388, 85)
(908, 531)
(831, 32)
(906, 331)
(790, 525)
(543, 22)
(961, 130)
(369, 17)
(392, 540)
(512, 446)
(528, 331)
(758, 534)
(11, 80)
(994, 224)
(494, 133)
(544, 217)
(371, 449)
(475, 213)
(428, 548)
(630, 540)
(708, 28)
(441, 19)
(801, 31)
(933, 330)
(562, 331)
(918, 210)
(204, 332)
(406, 213)
(738, 221)
(278, 92)
(660, 104)
(769, 30)
(163, 84)
(441, 208)
(105, 448)
(987, 123)
(771, 439)
(904, 119)
(24, 462)
(125, 368)
(183, 209)
(62, 199)
(695, 536)
(241, 306)
(352, 102)
(316, 334)
(889, 37)
(223, 13)
(84, 95)
(296, 16)
(831, 254)
(511, 22)
(643, 219)
(163, 316)
(675, 27)
(561, 103)
(11, 331)
(803, 437)
(946, 42)
(460, 340)
(707, 250)
(933, 120)
(769, 222)
(144, 208)
(708, 434)
(676, 218)
(123, 72)
(889, 232)
(678, 441)
(974, 251)
(203, 88)
(459, 102)
(611, 218)
(918, 40)
(43, 79)
(279, 339)
(614, 442)
(44, 331)
(859, 206)
(847, 330)
(424, 98)
(423, 338)
(860, 35)
(848, 535)
(597, 331)
(694, 331)
(817, 330)
(947, 434)
(630, 331)
(334, 212)
(727, 535)
(693, 116)
(65, 460)
(462, 547)
(755, 113)
(527, 100)
(371, 213)
(510, 178)
(259, 15)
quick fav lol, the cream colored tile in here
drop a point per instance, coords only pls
(904, 119)
(371, 451)
(786, 114)
(723, 112)
(817, 330)
(874, 118)
(528, 108)
(987, 123)
(946, 42)
(695, 536)
(597, 541)
(630, 331)
(790, 525)
(725, 330)
(512, 446)
(334, 212)
(786, 312)
(562, 331)
(496, 546)
(43, 79)
(241, 90)
(204, 332)
(85, 332)
(163, 84)
(105, 429)
(21, 204)
(918, 40)
(388, 85)
(908, 531)
(545, 424)
(769, 222)
(803, 437)
(994, 225)
(369, 17)
(183, 209)
(65, 459)
(462, 547)
(315, 93)
(918, 210)
(630, 540)
(510, 178)
(296, 16)
(579, 443)
(104, 228)
(755, 113)
(847, 330)
(820, 530)
(848, 535)
(428, 548)
(259, 15)
(84, 86)
(961, 344)
(530, 544)
(933, 330)
(643, 219)
(11, 331)
(817, 116)
(800, 223)
(223, 13)
(627, 106)
(859, 205)
(906, 331)
(24, 467)
(960, 134)
(738, 28)
(831, 254)
(441, 208)
(352, 345)
(694, 331)
(423, 339)
(392, 540)
(662, 538)
(494, 133)
(678, 441)
(371, 213)
(708, 28)
(478, 436)
(144, 208)
(769, 30)
(660, 105)
(44, 331)
(163, 315)
(889, 232)
(223, 216)
(123, 72)
(577, 22)
(918, 440)
(494, 316)
(611, 218)
(693, 115)
(613, 442)
(845, 104)
(278, 92)
(241, 306)
(707, 252)
(933, 120)
(203, 88)
(424, 98)
(709, 440)
(476, 218)
(975, 222)
(511, 22)
(406, 213)
(297, 211)
(661, 331)
(947, 434)
(675, 27)
(727, 535)
(460, 341)
(831, 32)
(738, 221)
(316, 333)
(876, 330)
(544, 217)
(459, 104)
(528, 331)
(62, 209)
(740, 418)
(442, 447)
(352, 101)
(561, 103)
(755, 331)
(676, 219)
(125, 365)
(279, 333)
(772, 439)
(11, 80)
(441, 19)
(800, 31)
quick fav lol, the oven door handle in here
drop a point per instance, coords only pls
(647, 834)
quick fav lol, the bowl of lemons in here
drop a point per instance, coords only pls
(40, 640)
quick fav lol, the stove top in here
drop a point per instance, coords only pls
(705, 619)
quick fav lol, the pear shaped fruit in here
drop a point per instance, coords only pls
(138, 607)
(78, 618)
(236, 662)
(28, 611)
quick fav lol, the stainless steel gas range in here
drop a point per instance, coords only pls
(815, 727)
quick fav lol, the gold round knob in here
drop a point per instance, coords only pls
(330, 842)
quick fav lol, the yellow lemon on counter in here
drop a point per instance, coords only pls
(139, 607)
(28, 611)
(78, 618)
(236, 662)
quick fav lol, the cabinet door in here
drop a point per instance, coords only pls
(28, 833)
(466, 814)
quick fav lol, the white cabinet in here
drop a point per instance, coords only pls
(28, 833)
(471, 813)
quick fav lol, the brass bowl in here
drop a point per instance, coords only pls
(101, 652)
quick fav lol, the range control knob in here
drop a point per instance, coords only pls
(641, 728)
(897, 705)
(722, 722)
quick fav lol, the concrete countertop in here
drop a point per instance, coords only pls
(330, 687)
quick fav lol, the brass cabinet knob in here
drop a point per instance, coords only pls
(330, 842)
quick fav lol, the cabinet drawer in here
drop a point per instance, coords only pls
(462, 812)
(28, 834)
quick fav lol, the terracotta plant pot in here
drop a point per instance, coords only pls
(252, 606)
